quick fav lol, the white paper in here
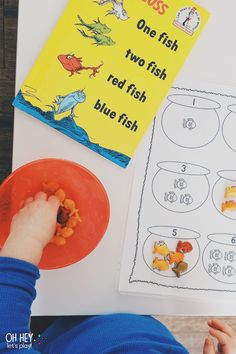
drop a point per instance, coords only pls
(184, 165)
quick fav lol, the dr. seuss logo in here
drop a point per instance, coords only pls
(188, 20)
(22, 340)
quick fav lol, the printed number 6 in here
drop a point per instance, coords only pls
(183, 168)
(233, 240)
(174, 233)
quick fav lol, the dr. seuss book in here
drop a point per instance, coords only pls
(107, 67)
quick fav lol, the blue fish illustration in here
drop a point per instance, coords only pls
(230, 256)
(180, 183)
(186, 199)
(68, 102)
(170, 197)
(214, 268)
(189, 123)
(229, 271)
(216, 254)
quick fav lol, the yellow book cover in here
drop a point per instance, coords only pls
(107, 67)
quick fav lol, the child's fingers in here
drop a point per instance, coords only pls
(220, 336)
(40, 196)
(217, 324)
(54, 201)
(209, 347)
(14, 217)
(28, 200)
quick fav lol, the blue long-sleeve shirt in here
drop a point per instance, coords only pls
(110, 334)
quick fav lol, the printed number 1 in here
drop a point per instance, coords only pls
(174, 233)
(233, 240)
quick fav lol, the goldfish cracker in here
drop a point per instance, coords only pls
(181, 267)
(175, 257)
(160, 264)
(228, 206)
(72, 222)
(58, 240)
(77, 216)
(73, 212)
(67, 216)
(69, 204)
(67, 232)
(58, 230)
(230, 191)
(60, 194)
(184, 247)
(50, 187)
(161, 249)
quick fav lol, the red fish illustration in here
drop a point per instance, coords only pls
(184, 247)
(74, 65)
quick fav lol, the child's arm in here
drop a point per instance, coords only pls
(31, 230)
(225, 336)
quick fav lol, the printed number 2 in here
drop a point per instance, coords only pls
(233, 240)
(183, 168)
(174, 233)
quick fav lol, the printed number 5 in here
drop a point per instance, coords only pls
(174, 233)
(183, 168)
(233, 240)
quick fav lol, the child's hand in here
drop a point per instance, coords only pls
(32, 228)
(37, 220)
(225, 336)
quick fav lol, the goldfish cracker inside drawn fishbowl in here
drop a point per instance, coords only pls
(219, 258)
(191, 121)
(180, 187)
(224, 194)
(171, 251)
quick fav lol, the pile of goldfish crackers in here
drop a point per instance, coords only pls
(229, 205)
(67, 217)
(171, 258)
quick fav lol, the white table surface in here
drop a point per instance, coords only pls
(90, 286)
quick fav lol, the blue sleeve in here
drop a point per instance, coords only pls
(17, 292)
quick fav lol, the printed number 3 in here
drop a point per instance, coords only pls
(183, 168)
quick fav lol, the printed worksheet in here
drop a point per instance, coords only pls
(181, 228)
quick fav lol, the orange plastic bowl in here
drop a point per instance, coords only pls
(80, 185)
